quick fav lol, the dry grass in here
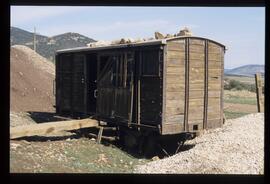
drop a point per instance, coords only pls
(243, 93)
(239, 103)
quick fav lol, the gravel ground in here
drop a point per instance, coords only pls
(236, 148)
(20, 118)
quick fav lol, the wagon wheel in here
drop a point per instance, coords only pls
(121, 137)
(149, 146)
(141, 144)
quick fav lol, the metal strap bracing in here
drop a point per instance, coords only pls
(186, 83)
(205, 84)
(222, 86)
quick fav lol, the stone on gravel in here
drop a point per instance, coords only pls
(155, 158)
(14, 145)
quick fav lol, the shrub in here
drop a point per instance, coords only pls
(237, 85)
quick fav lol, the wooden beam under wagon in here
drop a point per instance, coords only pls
(51, 127)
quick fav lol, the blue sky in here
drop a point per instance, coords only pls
(241, 29)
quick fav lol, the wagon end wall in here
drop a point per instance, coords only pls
(193, 85)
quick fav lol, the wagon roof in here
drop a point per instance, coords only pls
(138, 44)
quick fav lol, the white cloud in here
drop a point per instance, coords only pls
(26, 14)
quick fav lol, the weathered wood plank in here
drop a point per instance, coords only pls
(176, 46)
(176, 80)
(213, 100)
(213, 45)
(196, 70)
(52, 127)
(213, 111)
(196, 102)
(196, 42)
(213, 108)
(174, 110)
(214, 64)
(174, 119)
(175, 54)
(213, 83)
(196, 105)
(172, 128)
(176, 62)
(197, 77)
(214, 49)
(99, 135)
(173, 81)
(214, 56)
(212, 93)
(197, 116)
(174, 77)
(197, 86)
(196, 63)
(196, 49)
(175, 87)
(216, 71)
(175, 70)
(214, 87)
(175, 103)
(196, 81)
(182, 41)
(195, 56)
(213, 115)
(214, 79)
(196, 94)
(196, 109)
(174, 95)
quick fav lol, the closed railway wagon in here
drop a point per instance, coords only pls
(160, 87)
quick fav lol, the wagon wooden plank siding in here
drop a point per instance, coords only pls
(168, 86)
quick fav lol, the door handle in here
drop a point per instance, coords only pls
(95, 93)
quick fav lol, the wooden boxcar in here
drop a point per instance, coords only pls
(169, 86)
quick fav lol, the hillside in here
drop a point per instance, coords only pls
(46, 46)
(21, 37)
(31, 81)
(246, 70)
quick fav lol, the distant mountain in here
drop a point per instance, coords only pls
(46, 46)
(246, 70)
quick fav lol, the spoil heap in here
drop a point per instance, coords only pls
(31, 81)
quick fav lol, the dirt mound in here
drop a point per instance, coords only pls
(31, 81)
